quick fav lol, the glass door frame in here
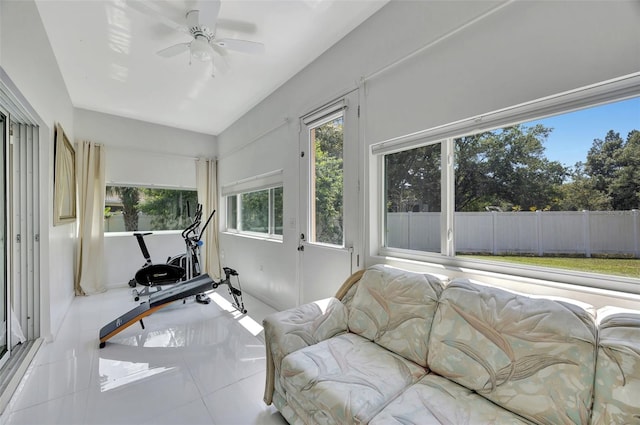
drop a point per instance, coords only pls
(323, 267)
(5, 290)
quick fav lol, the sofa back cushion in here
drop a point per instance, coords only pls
(617, 384)
(394, 308)
(532, 356)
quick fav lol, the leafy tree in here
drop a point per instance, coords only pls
(413, 180)
(328, 144)
(613, 166)
(255, 211)
(603, 160)
(625, 186)
(168, 207)
(506, 167)
(278, 210)
(580, 193)
(130, 198)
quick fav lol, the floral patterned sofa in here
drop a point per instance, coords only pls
(397, 347)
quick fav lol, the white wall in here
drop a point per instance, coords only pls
(142, 153)
(523, 51)
(27, 58)
(141, 137)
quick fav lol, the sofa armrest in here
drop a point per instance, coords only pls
(290, 330)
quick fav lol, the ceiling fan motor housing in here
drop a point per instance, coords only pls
(195, 29)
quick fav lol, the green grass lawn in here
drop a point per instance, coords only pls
(629, 267)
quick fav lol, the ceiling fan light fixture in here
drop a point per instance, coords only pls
(201, 50)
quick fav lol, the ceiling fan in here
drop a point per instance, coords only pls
(201, 21)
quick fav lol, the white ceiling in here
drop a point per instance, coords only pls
(106, 51)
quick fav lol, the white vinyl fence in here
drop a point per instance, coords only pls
(539, 233)
(115, 223)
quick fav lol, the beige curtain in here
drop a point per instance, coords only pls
(90, 159)
(207, 185)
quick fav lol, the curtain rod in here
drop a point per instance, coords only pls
(149, 152)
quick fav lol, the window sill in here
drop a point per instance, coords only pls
(615, 290)
(254, 236)
(154, 232)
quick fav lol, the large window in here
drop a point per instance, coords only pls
(256, 212)
(130, 208)
(561, 192)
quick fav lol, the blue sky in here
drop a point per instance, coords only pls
(573, 133)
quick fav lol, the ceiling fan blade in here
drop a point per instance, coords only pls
(221, 65)
(235, 25)
(153, 10)
(209, 11)
(243, 46)
(174, 50)
(219, 50)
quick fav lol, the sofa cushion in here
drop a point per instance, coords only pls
(617, 384)
(436, 400)
(304, 325)
(394, 308)
(346, 379)
(533, 356)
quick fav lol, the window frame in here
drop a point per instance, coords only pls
(238, 230)
(266, 181)
(142, 186)
(598, 94)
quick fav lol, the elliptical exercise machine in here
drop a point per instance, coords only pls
(179, 268)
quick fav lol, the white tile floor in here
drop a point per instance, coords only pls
(193, 364)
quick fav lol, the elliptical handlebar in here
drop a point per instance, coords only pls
(192, 235)
(206, 224)
(197, 219)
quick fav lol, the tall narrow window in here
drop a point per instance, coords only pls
(412, 199)
(327, 182)
(277, 209)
